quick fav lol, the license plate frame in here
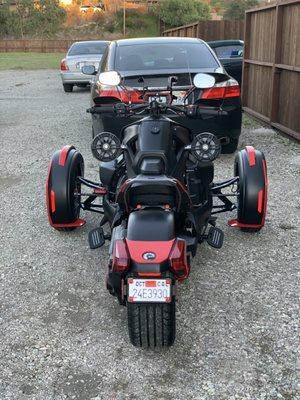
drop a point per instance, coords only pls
(149, 290)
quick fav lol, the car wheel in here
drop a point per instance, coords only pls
(230, 147)
(68, 87)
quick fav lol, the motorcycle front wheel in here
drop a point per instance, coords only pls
(151, 325)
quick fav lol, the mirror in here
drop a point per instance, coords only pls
(88, 70)
(204, 81)
(111, 78)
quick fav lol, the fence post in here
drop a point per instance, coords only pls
(276, 60)
(246, 66)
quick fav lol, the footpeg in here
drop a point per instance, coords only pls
(215, 237)
(96, 238)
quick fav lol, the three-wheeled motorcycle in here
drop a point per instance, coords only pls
(157, 196)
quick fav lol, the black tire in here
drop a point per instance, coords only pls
(151, 325)
(68, 87)
(62, 184)
(250, 166)
(230, 147)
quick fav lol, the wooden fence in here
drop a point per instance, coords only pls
(271, 76)
(209, 30)
(36, 45)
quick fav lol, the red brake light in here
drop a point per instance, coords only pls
(125, 96)
(178, 259)
(121, 259)
(64, 65)
(222, 90)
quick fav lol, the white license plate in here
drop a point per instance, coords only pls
(180, 98)
(159, 99)
(149, 290)
(81, 64)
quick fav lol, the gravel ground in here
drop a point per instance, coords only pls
(64, 337)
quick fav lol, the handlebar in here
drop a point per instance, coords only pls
(156, 109)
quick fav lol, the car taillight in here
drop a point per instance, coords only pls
(222, 90)
(178, 259)
(121, 259)
(125, 95)
(64, 65)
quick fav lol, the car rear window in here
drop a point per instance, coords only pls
(164, 56)
(230, 51)
(87, 48)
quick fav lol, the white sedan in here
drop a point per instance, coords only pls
(79, 55)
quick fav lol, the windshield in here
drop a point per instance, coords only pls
(87, 48)
(164, 56)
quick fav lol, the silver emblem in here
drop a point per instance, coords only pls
(149, 256)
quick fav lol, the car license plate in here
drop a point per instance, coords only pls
(180, 98)
(159, 99)
(81, 64)
(149, 290)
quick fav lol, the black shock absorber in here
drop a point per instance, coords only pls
(199, 178)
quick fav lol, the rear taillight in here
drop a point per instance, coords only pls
(222, 90)
(125, 95)
(64, 65)
(178, 259)
(121, 259)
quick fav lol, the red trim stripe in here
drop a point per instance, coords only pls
(260, 201)
(63, 155)
(52, 201)
(251, 155)
(147, 274)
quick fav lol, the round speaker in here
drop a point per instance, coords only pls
(106, 147)
(206, 147)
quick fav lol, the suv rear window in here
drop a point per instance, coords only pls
(229, 51)
(164, 56)
(87, 48)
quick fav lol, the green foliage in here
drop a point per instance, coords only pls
(235, 9)
(4, 19)
(182, 12)
(137, 23)
(30, 19)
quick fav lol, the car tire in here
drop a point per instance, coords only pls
(68, 87)
(151, 325)
(62, 205)
(230, 147)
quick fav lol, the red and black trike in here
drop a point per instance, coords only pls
(158, 199)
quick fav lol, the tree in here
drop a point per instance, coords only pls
(182, 12)
(36, 18)
(4, 19)
(48, 17)
(235, 9)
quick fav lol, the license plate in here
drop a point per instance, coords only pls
(81, 64)
(149, 290)
(180, 98)
(159, 99)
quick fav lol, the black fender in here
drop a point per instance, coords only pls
(150, 237)
(251, 168)
(62, 205)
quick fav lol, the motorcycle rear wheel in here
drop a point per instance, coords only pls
(151, 325)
